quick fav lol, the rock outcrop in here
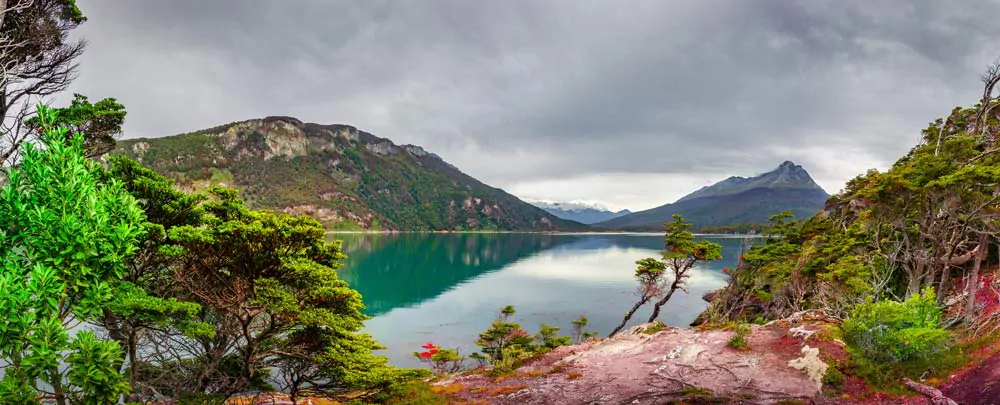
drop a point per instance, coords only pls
(672, 364)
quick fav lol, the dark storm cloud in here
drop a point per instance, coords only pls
(516, 92)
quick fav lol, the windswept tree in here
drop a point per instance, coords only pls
(267, 285)
(37, 60)
(148, 298)
(65, 233)
(682, 254)
(649, 273)
(662, 277)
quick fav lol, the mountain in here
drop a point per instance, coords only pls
(583, 213)
(735, 201)
(346, 178)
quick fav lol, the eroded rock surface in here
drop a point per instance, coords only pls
(639, 368)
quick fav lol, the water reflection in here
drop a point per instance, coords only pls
(447, 288)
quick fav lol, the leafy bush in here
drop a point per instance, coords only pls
(66, 234)
(892, 331)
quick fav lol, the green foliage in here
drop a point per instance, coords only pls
(682, 253)
(66, 234)
(580, 332)
(98, 123)
(833, 377)
(892, 332)
(739, 339)
(655, 327)
(682, 249)
(504, 344)
(410, 393)
(547, 338)
(276, 275)
(198, 398)
(148, 297)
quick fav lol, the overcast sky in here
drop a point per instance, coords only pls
(628, 103)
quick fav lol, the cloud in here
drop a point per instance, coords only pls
(632, 104)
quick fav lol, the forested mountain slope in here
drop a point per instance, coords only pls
(344, 177)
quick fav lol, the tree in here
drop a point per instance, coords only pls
(267, 284)
(148, 297)
(681, 255)
(649, 273)
(99, 123)
(37, 60)
(66, 233)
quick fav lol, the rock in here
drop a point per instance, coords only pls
(811, 364)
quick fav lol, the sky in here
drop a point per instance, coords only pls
(627, 104)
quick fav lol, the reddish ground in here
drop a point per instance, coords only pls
(670, 365)
(981, 385)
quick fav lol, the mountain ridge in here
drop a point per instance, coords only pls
(345, 177)
(735, 201)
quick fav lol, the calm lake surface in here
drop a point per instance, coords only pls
(447, 288)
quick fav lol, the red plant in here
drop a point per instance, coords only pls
(431, 350)
(440, 360)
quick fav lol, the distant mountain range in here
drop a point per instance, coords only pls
(346, 178)
(584, 213)
(735, 201)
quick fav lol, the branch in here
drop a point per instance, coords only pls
(936, 396)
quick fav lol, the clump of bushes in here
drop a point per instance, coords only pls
(505, 345)
(894, 332)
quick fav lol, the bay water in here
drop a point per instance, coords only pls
(448, 288)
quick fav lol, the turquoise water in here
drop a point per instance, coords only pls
(447, 288)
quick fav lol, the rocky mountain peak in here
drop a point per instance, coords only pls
(786, 175)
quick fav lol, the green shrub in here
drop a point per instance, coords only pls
(833, 377)
(505, 345)
(739, 340)
(893, 332)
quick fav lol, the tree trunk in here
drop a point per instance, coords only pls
(57, 388)
(628, 315)
(673, 287)
(973, 282)
(133, 364)
(915, 279)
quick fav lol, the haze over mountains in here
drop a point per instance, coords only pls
(735, 200)
(582, 212)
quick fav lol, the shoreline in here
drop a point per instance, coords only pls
(638, 233)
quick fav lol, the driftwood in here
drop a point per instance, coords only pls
(936, 396)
